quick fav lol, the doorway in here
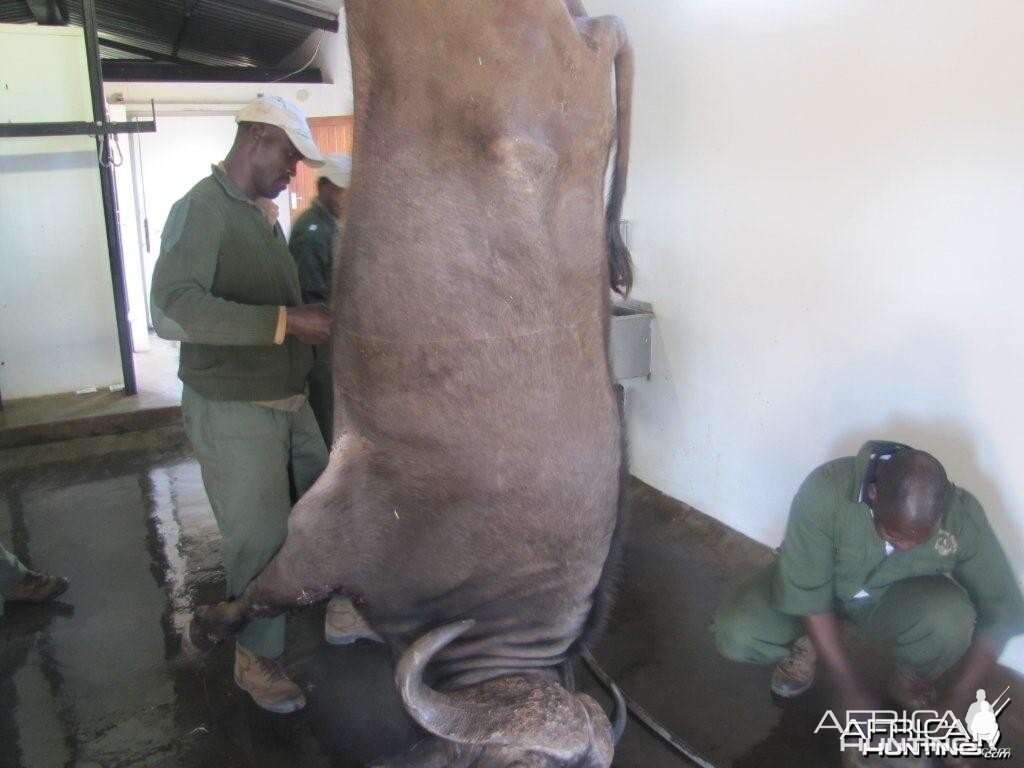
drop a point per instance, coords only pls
(333, 136)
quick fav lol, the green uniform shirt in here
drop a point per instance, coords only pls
(222, 274)
(312, 245)
(833, 560)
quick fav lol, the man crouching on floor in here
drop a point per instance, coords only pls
(885, 541)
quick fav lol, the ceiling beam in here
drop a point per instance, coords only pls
(186, 17)
(128, 70)
(50, 12)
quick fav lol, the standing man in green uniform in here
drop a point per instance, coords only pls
(20, 585)
(225, 285)
(885, 541)
(316, 239)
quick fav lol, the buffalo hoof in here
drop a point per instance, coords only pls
(198, 636)
(209, 626)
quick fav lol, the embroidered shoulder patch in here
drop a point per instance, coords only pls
(945, 543)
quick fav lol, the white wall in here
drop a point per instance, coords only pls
(132, 242)
(826, 201)
(315, 99)
(172, 160)
(58, 331)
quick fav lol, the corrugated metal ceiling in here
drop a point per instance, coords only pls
(254, 33)
(12, 12)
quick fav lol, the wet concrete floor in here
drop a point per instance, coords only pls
(100, 678)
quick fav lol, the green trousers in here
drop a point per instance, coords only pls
(927, 621)
(321, 392)
(11, 571)
(250, 455)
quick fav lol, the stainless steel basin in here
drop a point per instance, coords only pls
(631, 339)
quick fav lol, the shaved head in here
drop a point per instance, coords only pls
(908, 497)
(911, 486)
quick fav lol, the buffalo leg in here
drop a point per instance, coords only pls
(311, 564)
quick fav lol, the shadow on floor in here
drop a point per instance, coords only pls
(100, 679)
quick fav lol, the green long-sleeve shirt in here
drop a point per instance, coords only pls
(312, 245)
(833, 560)
(221, 277)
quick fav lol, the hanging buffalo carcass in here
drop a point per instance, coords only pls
(471, 503)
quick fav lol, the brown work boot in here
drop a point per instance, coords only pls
(343, 624)
(795, 674)
(265, 680)
(910, 690)
(36, 587)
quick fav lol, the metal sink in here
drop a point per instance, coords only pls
(630, 347)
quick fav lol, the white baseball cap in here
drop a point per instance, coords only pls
(274, 110)
(337, 169)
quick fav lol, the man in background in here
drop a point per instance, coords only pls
(315, 243)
